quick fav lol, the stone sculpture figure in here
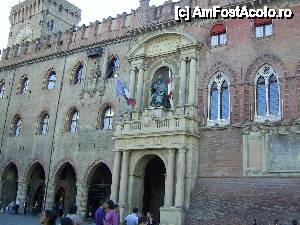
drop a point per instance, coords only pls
(159, 93)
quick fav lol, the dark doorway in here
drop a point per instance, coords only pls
(154, 187)
(100, 187)
(36, 188)
(66, 187)
(10, 185)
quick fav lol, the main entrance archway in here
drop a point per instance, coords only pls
(99, 186)
(10, 184)
(148, 185)
(36, 187)
(65, 186)
(154, 187)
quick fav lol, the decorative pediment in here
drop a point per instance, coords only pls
(163, 43)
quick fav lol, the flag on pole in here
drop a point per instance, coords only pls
(122, 90)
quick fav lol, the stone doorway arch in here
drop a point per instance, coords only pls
(36, 187)
(10, 184)
(99, 186)
(65, 186)
(148, 185)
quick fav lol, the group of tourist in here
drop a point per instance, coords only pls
(108, 214)
(49, 217)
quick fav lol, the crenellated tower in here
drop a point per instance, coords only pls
(32, 19)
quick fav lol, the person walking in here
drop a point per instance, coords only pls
(111, 217)
(25, 206)
(60, 207)
(100, 214)
(150, 219)
(133, 218)
(17, 206)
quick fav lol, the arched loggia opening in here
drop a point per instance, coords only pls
(10, 184)
(65, 187)
(149, 185)
(99, 187)
(36, 188)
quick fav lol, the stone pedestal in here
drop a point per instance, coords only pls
(172, 216)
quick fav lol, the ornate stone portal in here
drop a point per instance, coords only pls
(159, 133)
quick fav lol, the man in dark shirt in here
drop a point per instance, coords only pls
(100, 214)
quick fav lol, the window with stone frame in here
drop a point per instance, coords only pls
(51, 80)
(218, 101)
(267, 95)
(113, 67)
(73, 121)
(2, 89)
(107, 118)
(43, 123)
(77, 74)
(24, 85)
(263, 28)
(218, 35)
(16, 127)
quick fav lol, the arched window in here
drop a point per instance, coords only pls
(263, 27)
(74, 119)
(218, 35)
(17, 126)
(2, 89)
(78, 75)
(219, 101)
(113, 67)
(24, 86)
(267, 94)
(51, 80)
(107, 120)
(44, 124)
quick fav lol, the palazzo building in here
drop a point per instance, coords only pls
(224, 151)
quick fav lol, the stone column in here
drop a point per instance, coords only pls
(182, 84)
(81, 200)
(50, 196)
(116, 177)
(22, 194)
(180, 183)
(132, 83)
(140, 85)
(169, 189)
(124, 179)
(1, 200)
(192, 81)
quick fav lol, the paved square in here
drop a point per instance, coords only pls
(8, 219)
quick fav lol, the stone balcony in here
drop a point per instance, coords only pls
(158, 120)
(157, 127)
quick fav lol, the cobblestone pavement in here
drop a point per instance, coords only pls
(8, 219)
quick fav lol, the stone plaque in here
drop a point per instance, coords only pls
(284, 153)
(255, 153)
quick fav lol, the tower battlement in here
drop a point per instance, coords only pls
(143, 19)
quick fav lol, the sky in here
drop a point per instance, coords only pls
(91, 10)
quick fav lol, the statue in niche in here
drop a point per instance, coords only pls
(159, 93)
